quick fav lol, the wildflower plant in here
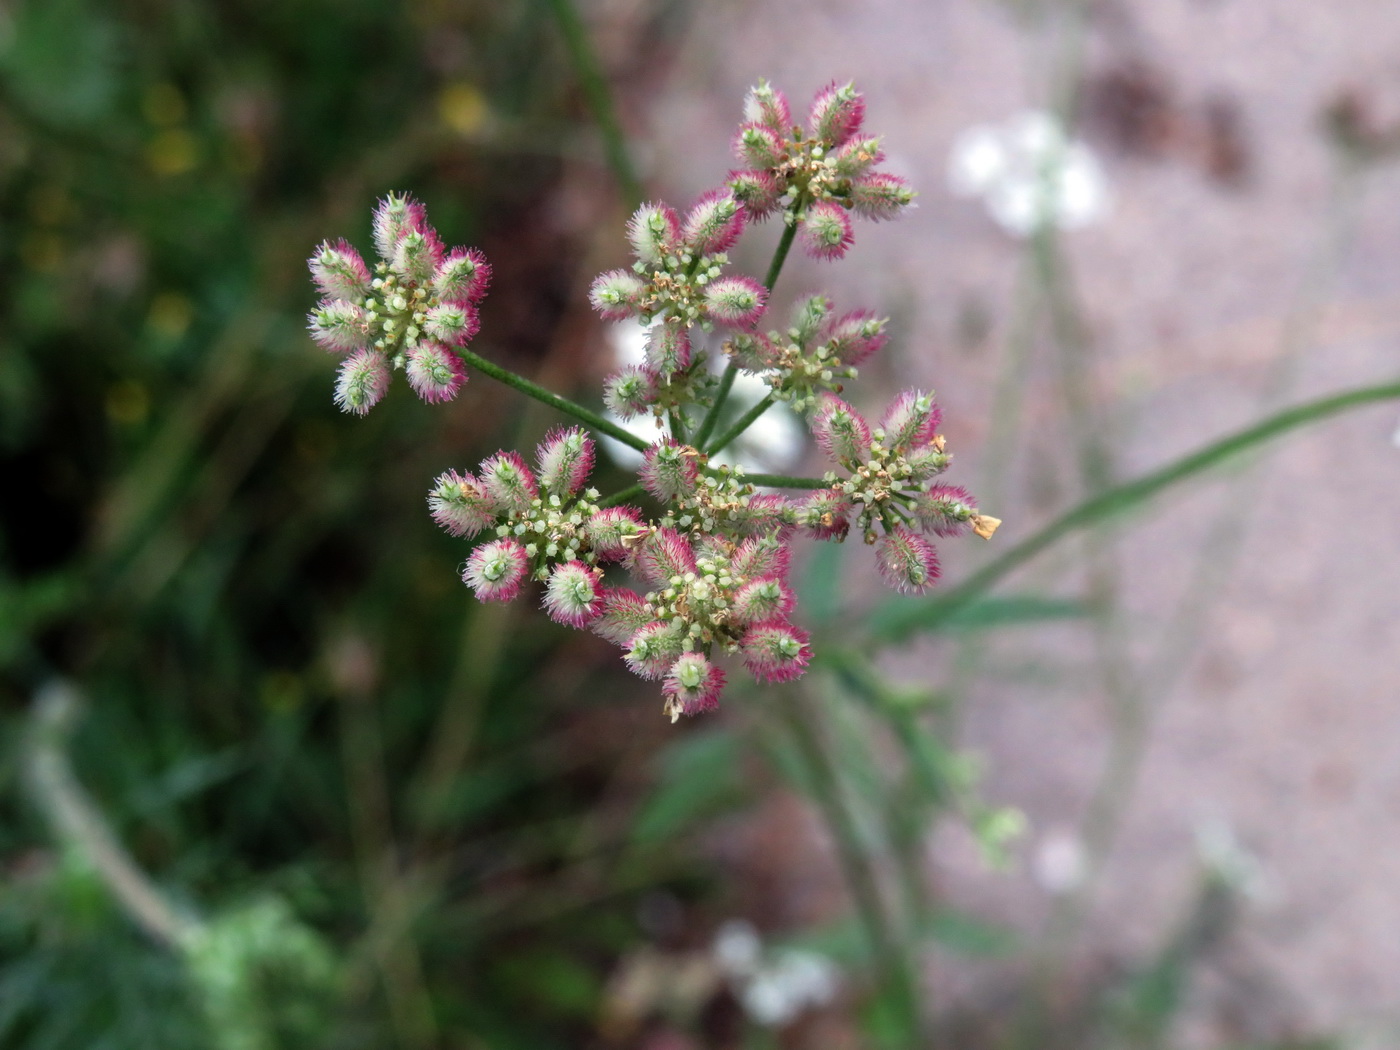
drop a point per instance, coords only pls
(686, 571)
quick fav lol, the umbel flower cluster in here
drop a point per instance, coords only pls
(687, 571)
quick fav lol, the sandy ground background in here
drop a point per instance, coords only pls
(1238, 243)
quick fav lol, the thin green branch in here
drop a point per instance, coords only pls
(1129, 495)
(784, 481)
(598, 96)
(553, 400)
(726, 382)
(741, 424)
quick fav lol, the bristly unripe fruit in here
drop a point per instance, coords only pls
(395, 217)
(761, 556)
(653, 232)
(854, 337)
(760, 600)
(759, 147)
(776, 651)
(462, 277)
(509, 481)
(669, 470)
(452, 323)
(841, 431)
(911, 420)
(879, 196)
(808, 316)
(736, 300)
(826, 230)
(947, 510)
(338, 326)
(617, 294)
(714, 224)
(497, 570)
(460, 505)
(339, 272)
(662, 556)
(363, 380)
(572, 595)
(630, 391)
(857, 157)
(434, 372)
(668, 348)
(825, 515)
(611, 530)
(692, 685)
(836, 114)
(756, 190)
(907, 561)
(565, 459)
(768, 106)
(417, 255)
(624, 613)
(651, 650)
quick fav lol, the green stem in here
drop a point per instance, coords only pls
(631, 492)
(1128, 495)
(553, 400)
(887, 952)
(726, 381)
(741, 424)
(784, 481)
(595, 90)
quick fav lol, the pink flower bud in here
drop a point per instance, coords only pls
(836, 113)
(735, 300)
(509, 482)
(630, 391)
(857, 157)
(692, 685)
(565, 459)
(854, 337)
(760, 148)
(339, 271)
(653, 648)
(776, 651)
(841, 431)
(760, 600)
(610, 529)
(617, 294)
(459, 504)
(879, 196)
(654, 232)
(668, 348)
(714, 224)
(338, 325)
(497, 570)
(452, 323)
(760, 556)
(663, 556)
(947, 510)
(825, 515)
(669, 470)
(462, 277)
(910, 421)
(907, 561)
(768, 106)
(624, 613)
(363, 381)
(757, 191)
(395, 217)
(435, 372)
(572, 595)
(826, 230)
(417, 255)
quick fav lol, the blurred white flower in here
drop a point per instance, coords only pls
(771, 445)
(1059, 864)
(1395, 437)
(773, 987)
(1029, 174)
(1226, 857)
